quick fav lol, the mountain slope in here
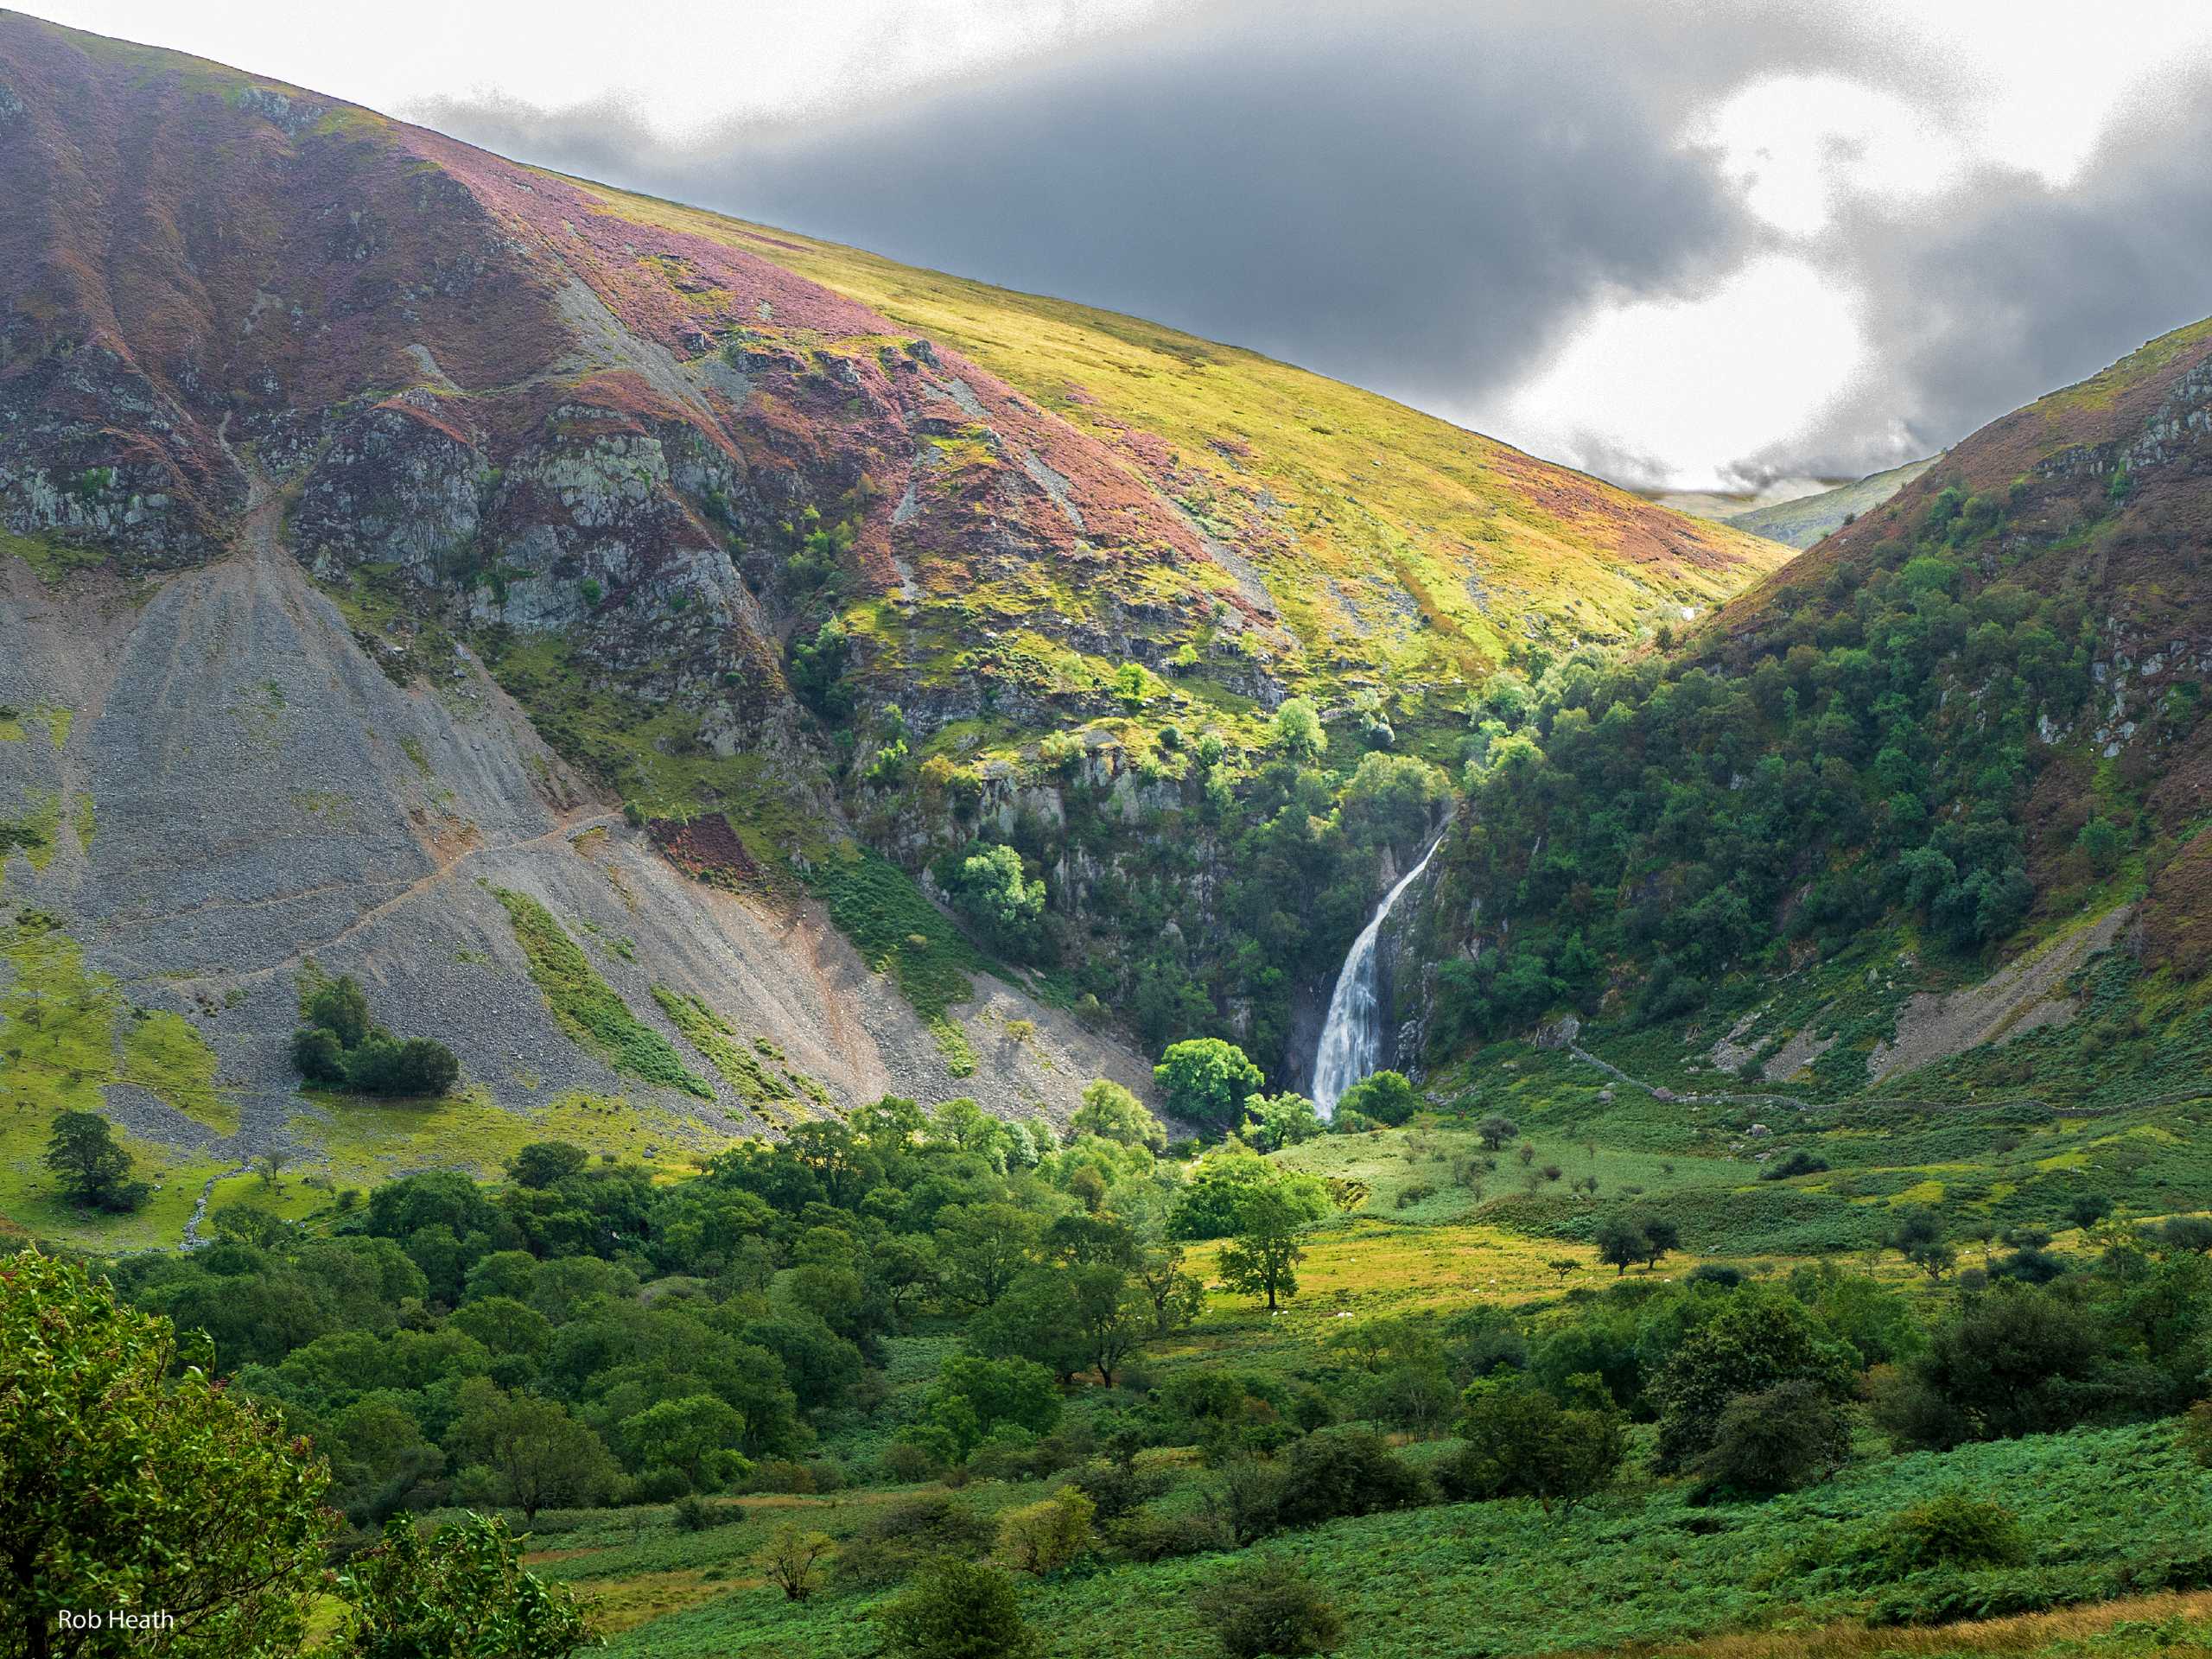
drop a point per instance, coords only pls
(1801, 522)
(580, 617)
(1924, 813)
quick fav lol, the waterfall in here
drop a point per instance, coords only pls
(1351, 1037)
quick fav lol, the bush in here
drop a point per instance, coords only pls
(1953, 1530)
(694, 1514)
(1271, 1609)
(1045, 1536)
(1340, 1472)
(1775, 1440)
(901, 1537)
(1521, 1442)
(907, 1461)
(1386, 1096)
(1151, 1535)
(1800, 1162)
(958, 1610)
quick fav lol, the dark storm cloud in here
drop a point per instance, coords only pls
(2006, 288)
(1412, 197)
(1420, 198)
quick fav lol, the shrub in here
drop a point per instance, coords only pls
(793, 1560)
(1953, 1530)
(1386, 1096)
(1270, 1609)
(901, 1537)
(1151, 1535)
(1043, 1537)
(459, 1590)
(694, 1514)
(958, 1610)
(1340, 1471)
(1800, 1162)
(906, 1461)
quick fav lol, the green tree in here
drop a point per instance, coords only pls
(1112, 1113)
(1759, 1339)
(982, 1248)
(1273, 1122)
(1775, 1440)
(546, 1163)
(1386, 1096)
(537, 1455)
(339, 1007)
(1521, 1442)
(955, 1609)
(990, 889)
(685, 1435)
(461, 1592)
(1620, 1243)
(92, 1169)
(1044, 1536)
(126, 1483)
(975, 1395)
(1262, 1258)
(1917, 1235)
(1207, 1081)
(1496, 1131)
(1298, 730)
(1271, 1611)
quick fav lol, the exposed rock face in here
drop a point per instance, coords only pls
(265, 795)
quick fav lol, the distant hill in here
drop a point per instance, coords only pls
(1801, 522)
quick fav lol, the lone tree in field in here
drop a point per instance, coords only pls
(1262, 1259)
(1918, 1236)
(92, 1169)
(1620, 1243)
(792, 1561)
(123, 1486)
(1496, 1131)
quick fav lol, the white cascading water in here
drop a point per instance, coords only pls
(1351, 1036)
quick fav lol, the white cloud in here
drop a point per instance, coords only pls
(1675, 390)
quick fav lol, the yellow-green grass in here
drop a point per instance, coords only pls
(1386, 1164)
(1373, 492)
(358, 1141)
(1370, 1267)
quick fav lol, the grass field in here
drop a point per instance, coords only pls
(2113, 1512)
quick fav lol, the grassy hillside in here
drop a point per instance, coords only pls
(1439, 548)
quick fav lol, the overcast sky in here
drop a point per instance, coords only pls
(1695, 243)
